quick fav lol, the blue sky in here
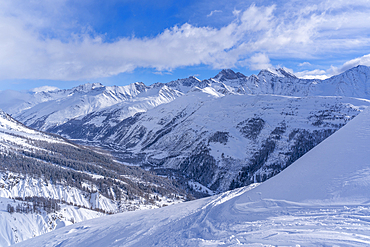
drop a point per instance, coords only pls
(66, 43)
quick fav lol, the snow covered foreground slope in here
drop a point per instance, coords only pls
(50, 182)
(321, 199)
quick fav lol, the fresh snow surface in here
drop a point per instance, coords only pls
(12, 131)
(17, 227)
(320, 200)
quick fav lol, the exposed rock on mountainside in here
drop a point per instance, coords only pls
(228, 142)
(217, 134)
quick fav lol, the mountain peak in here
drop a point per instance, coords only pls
(228, 74)
(286, 73)
(281, 72)
(194, 78)
(268, 71)
(3, 114)
(362, 68)
(140, 86)
(187, 82)
(88, 86)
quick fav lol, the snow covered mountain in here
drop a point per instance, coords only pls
(103, 107)
(45, 109)
(40, 172)
(351, 83)
(215, 143)
(33, 154)
(320, 200)
(213, 135)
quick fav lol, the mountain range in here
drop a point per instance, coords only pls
(320, 200)
(97, 150)
(211, 135)
(47, 109)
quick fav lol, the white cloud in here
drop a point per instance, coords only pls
(86, 55)
(257, 19)
(44, 89)
(364, 60)
(304, 64)
(259, 61)
(236, 12)
(313, 74)
(32, 49)
(323, 74)
(213, 12)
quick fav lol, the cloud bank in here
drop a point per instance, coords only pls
(31, 50)
(324, 74)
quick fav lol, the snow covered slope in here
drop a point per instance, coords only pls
(101, 107)
(36, 166)
(18, 226)
(223, 142)
(354, 82)
(210, 128)
(44, 109)
(38, 160)
(90, 126)
(321, 199)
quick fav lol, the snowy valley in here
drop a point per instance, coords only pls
(244, 140)
(320, 200)
(218, 134)
(47, 181)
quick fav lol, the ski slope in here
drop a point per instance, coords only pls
(321, 199)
